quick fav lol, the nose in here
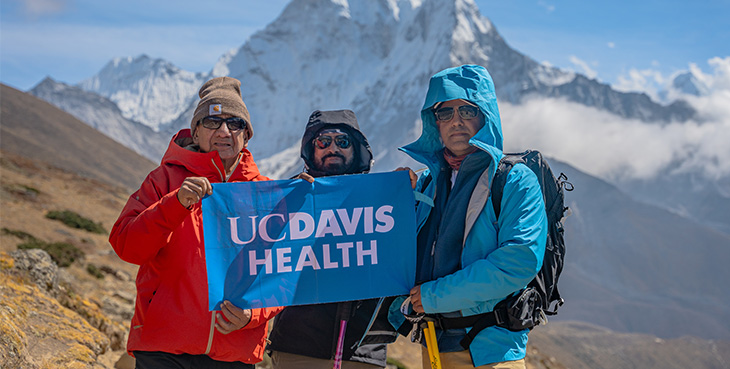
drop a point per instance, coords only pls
(332, 148)
(456, 119)
(223, 130)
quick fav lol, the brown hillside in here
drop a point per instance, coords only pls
(81, 320)
(582, 345)
(35, 129)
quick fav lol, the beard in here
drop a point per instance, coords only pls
(334, 167)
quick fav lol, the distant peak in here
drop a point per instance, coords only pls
(49, 83)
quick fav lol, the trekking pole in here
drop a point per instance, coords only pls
(343, 314)
(340, 344)
(429, 330)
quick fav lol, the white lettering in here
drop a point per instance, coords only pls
(373, 253)
(368, 220)
(253, 262)
(326, 258)
(295, 220)
(383, 216)
(234, 230)
(345, 247)
(350, 225)
(281, 267)
(264, 232)
(328, 224)
(307, 258)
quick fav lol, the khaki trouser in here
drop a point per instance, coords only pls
(462, 360)
(285, 360)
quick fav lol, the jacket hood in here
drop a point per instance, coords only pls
(182, 152)
(468, 82)
(342, 119)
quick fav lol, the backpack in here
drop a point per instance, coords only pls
(529, 307)
(546, 281)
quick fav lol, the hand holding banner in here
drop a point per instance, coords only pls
(291, 242)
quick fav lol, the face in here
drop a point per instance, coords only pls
(228, 143)
(333, 159)
(456, 132)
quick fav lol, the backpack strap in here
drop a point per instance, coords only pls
(500, 179)
(498, 316)
(477, 323)
(419, 196)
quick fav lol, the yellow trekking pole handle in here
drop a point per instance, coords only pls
(432, 344)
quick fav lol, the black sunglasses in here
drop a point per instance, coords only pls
(465, 112)
(342, 141)
(233, 123)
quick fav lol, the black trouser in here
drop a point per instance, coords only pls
(164, 360)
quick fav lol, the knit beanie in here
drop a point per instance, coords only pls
(218, 96)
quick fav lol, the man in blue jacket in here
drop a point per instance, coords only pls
(468, 260)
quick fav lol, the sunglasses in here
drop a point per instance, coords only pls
(233, 123)
(465, 112)
(342, 141)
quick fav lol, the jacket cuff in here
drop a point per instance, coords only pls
(255, 320)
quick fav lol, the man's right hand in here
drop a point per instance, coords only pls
(192, 190)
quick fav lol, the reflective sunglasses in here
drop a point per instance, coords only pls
(342, 141)
(233, 123)
(465, 112)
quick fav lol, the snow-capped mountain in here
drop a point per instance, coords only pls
(687, 83)
(374, 57)
(102, 114)
(146, 90)
(379, 64)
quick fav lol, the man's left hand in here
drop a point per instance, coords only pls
(305, 176)
(232, 319)
(411, 174)
(416, 299)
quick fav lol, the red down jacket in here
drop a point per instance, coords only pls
(165, 239)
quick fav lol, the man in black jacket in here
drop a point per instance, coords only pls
(306, 336)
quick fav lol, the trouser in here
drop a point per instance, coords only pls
(285, 360)
(462, 360)
(165, 360)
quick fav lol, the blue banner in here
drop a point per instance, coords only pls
(291, 242)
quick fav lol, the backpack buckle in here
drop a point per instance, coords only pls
(500, 316)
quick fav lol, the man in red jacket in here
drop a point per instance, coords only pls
(161, 230)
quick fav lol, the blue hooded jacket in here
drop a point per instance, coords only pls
(498, 257)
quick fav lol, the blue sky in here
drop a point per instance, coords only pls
(71, 40)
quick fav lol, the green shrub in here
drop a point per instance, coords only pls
(24, 191)
(74, 220)
(62, 253)
(31, 190)
(25, 236)
(93, 270)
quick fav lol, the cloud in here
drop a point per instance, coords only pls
(649, 81)
(549, 7)
(38, 8)
(659, 87)
(607, 146)
(611, 45)
(587, 70)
